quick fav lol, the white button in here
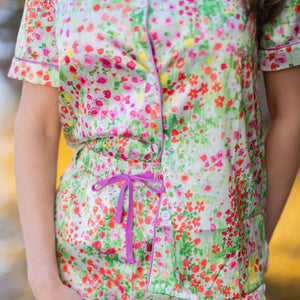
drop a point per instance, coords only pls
(155, 148)
(151, 78)
(142, 3)
(165, 215)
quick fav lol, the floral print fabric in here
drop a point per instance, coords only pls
(167, 87)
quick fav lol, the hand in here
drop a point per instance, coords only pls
(57, 292)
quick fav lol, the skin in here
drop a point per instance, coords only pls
(37, 131)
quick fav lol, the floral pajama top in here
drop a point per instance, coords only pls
(165, 196)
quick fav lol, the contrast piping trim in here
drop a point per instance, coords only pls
(158, 81)
(36, 62)
(154, 238)
(280, 47)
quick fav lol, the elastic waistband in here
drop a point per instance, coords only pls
(88, 156)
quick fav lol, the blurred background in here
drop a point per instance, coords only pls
(282, 277)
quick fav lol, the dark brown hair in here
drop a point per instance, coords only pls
(265, 11)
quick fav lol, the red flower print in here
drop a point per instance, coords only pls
(185, 263)
(219, 101)
(182, 277)
(181, 76)
(188, 194)
(204, 88)
(215, 249)
(195, 269)
(180, 63)
(193, 80)
(216, 87)
(193, 93)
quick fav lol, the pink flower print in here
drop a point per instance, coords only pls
(101, 79)
(116, 44)
(97, 245)
(230, 25)
(89, 61)
(219, 164)
(220, 32)
(142, 115)
(94, 111)
(280, 31)
(127, 132)
(103, 252)
(101, 234)
(137, 262)
(100, 131)
(220, 154)
(118, 59)
(241, 151)
(83, 80)
(167, 230)
(127, 87)
(75, 45)
(114, 130)
(99, 101)
(114, 235)
(218, 214)
(111, 251)
(232, 47)
(280, 58)
(212, 227)
(112, 115)
(136, 81)
(103, 113)
(133, 113)
(100, 293)
(137, 245)
(169, 239)
(118, 97)
(233, 264)
(131, 65)
(121, 288)
(145, 135)
(67, 59)
(111, 295)
(107, 94)
(147, 87)
(192, 55)
(213, 159)
(105, 62)
(46, 51)
(37, 34)
(135, 153)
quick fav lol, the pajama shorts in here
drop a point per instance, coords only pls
(90, 244)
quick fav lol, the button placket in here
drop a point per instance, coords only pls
(165, 215)
(151, 78)
(142, 3)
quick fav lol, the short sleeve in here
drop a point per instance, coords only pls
(280, 40)
(36, 56)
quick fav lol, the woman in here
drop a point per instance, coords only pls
(166, 195)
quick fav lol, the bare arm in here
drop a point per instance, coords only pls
(37, 131)
(282, 141)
